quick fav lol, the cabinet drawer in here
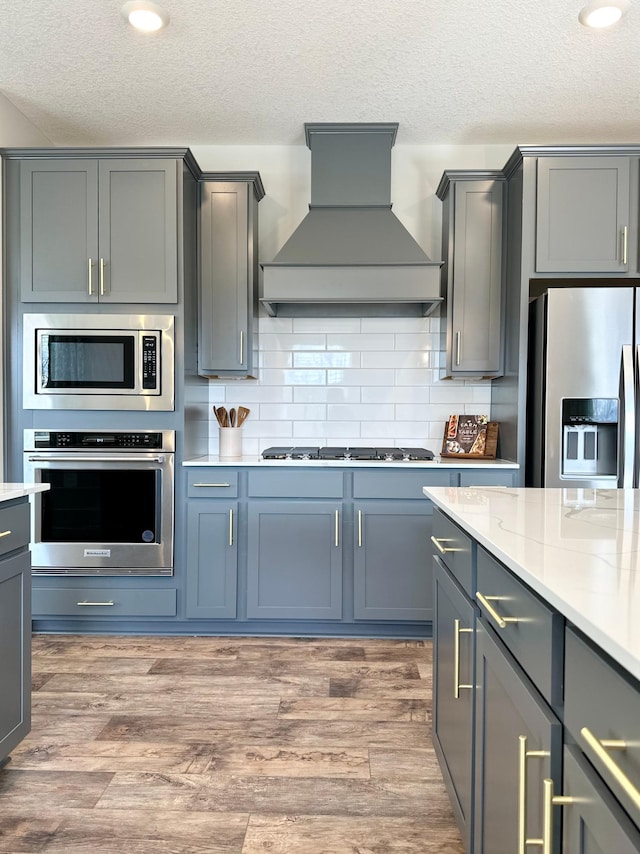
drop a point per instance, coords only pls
(600, 700)
(14, 528)
(295, 484)
(396, 484)
(531, 630)
(486, 478)
(212, 483)
(103, 602)
(454, 548)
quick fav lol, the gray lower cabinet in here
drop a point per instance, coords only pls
(15, 627)
(593, 823)
(228, 275)
(518, 743)
(472, 273)
(583, 215)
(212, 559)
(393, 577)
(99, 230)
(454, 693)
(294, 561)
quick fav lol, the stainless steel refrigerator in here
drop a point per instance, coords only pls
(583, 380)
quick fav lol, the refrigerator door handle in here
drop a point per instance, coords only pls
(627, 420)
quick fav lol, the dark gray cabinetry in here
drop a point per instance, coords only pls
(472, 275)
(15, 626)
(518, 745)
(393, 579)
(583, 215)
(99, 230)
(295, 560)
(454, 692)
(228, 276)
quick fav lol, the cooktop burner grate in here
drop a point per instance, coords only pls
(346, 453)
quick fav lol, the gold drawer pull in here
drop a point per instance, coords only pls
(96, 604)
(485, 601)
(5, 533)
(523, 755)
(549, 800)
(437, 542)
(600, 747)
(208, 485)
(457, 631)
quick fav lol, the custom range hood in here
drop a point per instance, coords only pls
(351, 256)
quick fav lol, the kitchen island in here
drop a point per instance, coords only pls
(537, 666)
(15, 614)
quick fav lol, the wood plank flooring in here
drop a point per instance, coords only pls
(205, 745)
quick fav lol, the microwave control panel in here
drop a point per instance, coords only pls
(149, 362)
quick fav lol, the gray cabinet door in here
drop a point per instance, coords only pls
(518, 744)
(393, 572)
(594, 823)
(99, 231)
(226, 281)
(138, 238)
(15, 644)
(212, 559)
(582, 216)
(59, 230)
(294, 560)
(454, 694)
(474, 299)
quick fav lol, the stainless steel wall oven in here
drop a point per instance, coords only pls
(110, 508)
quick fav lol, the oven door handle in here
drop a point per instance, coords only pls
(91, 458)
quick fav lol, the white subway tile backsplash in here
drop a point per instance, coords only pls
(346, 381)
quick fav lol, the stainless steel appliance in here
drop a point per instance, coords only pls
(313, 453)
(98, 361)
(110, 509)
(583, 374)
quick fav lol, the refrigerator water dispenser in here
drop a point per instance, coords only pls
(589, 437)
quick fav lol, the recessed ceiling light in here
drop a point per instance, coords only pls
(602, 13)
(145, 15)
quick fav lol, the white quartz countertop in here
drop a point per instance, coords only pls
(578, 548)
(9, 491)
(437, 463)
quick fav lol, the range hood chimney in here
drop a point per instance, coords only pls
(351, 255)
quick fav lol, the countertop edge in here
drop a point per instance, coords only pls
(437, 463)
(9, 491)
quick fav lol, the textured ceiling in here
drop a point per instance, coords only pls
(246, 72)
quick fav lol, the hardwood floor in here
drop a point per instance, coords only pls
(234, 745)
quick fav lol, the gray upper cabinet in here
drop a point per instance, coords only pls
(99, 230)
(472, 275)
(583, 215)
(228, 276)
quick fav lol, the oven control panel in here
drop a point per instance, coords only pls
(99, 439)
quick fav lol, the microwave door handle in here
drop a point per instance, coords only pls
(626, 420)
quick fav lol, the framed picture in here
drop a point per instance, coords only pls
(470, 436)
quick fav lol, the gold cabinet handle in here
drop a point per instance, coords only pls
(209, 485)
(600, 747)
(241, 347)
(96, 604)
(90, 279)
(458, 339)
(359, 529)
(102, 277)
(437, 542)
(457, 631)
(5, 533)
(549, 800)
(231, 527)
(337, 528)
(625, 234)
(523, 755)
(485, 601)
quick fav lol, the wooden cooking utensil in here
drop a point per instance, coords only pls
(232, 416)
(243, 414)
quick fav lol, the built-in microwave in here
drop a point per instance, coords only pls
(98, 361)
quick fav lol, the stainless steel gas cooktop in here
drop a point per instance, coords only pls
(347, 453)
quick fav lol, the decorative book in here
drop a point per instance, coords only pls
(470, 436)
